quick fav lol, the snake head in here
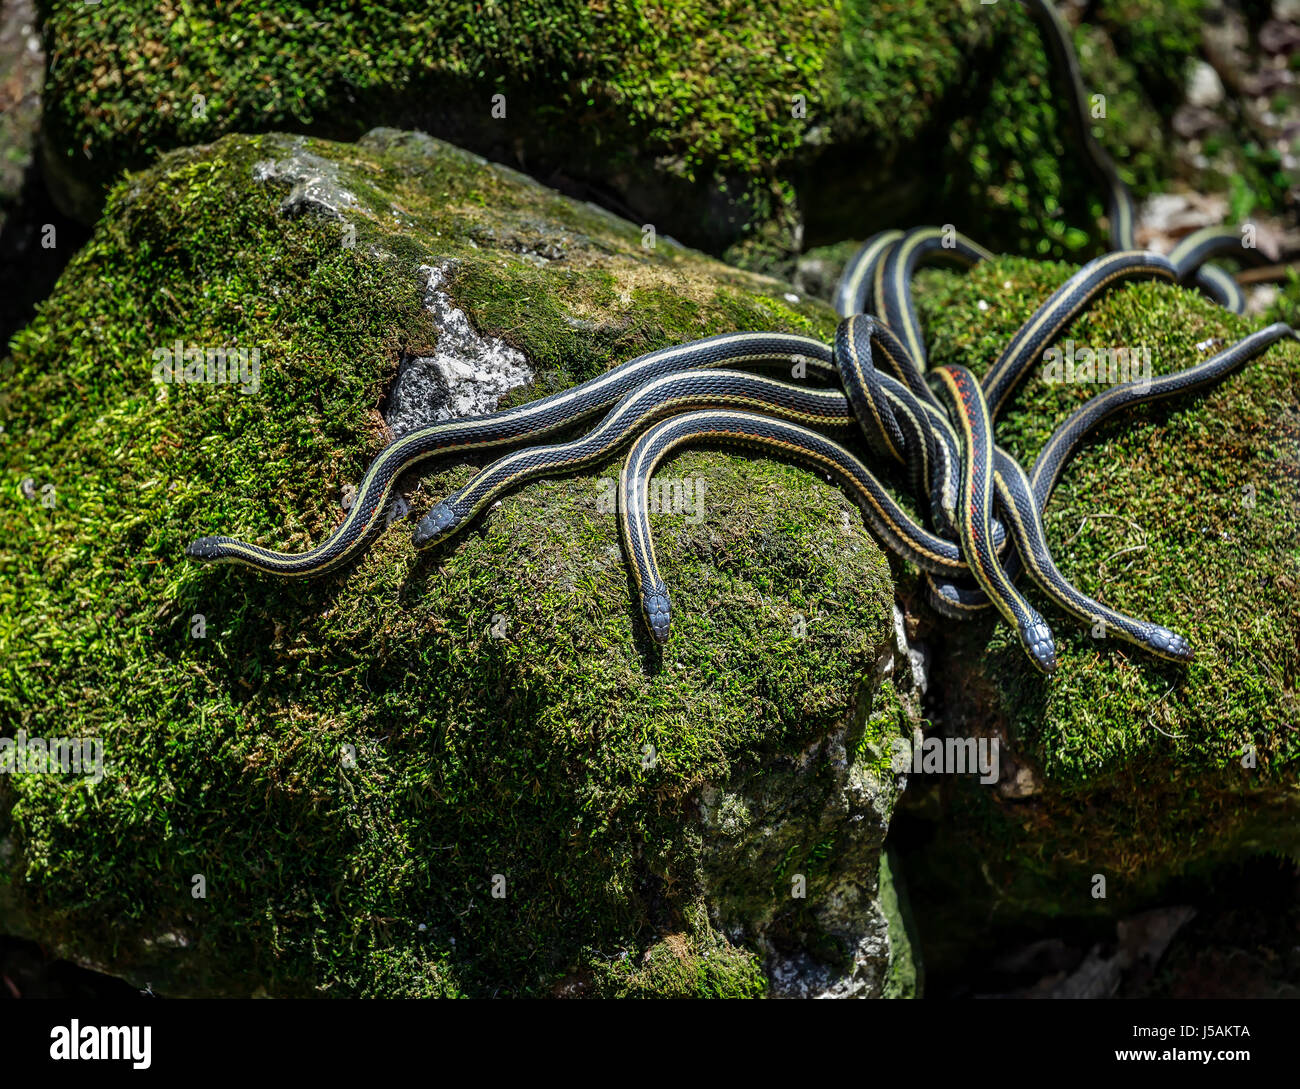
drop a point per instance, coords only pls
(435, 526)
(1169, 644)
(1037, 639)
(655, 608)
(205, 548)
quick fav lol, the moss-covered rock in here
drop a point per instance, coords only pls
(350, 769)
(347, 762)
(731, 128)
(1187, 513)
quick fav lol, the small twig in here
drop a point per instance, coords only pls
(1141, 532)
(1102, 569)
(1267, 274)
(1166, 733)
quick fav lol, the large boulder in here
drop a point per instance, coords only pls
(1122, 777)
(466, 772)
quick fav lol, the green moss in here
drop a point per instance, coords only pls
(1157, 38)
(599, 90)
(683, 965)
(901, 62)
(1012, 163)
(469, 755)
(887, 719)
(1286, 306)
(732, 128)
(961, 105)
(906, 977)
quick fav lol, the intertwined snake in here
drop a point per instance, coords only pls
(937, 426)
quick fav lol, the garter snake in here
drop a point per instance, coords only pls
(898, 531)
(1023, 496)
(1065, 439)
(531, 421)
(965, 400)
(662, 396)
(894, 274)
(747, 394)
(1023, 507)
(1063, 306)
(770, 435)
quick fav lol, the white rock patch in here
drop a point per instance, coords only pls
(467, 375)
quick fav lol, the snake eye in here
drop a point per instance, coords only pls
(655, 607)
(435, 526)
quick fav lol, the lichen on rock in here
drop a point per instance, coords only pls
(466, 376)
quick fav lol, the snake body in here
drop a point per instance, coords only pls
(509, 427)
(965, 401)
(1063, 306)
(673, 393)
(894, 277)
(770, 435)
